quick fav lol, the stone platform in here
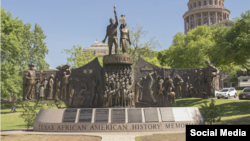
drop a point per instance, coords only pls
(117, 119)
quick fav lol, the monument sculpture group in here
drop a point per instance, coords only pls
(118, 91)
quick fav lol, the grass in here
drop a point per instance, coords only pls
(12, 120)
(234, 111)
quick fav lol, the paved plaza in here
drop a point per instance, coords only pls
(110, 136)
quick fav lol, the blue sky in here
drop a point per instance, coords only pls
(71, 22)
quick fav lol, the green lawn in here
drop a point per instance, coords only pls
(234, 112)
(12, 120)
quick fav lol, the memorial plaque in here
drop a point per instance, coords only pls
(151, 115)
(167, 114)
(180, 114)
(101, 115)
(69, 115)
(85, 115)
(194, 114)
(118, 116)
(134, 115)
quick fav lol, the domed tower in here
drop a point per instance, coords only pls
(207, 12)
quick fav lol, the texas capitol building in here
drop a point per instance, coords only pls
(207, 12)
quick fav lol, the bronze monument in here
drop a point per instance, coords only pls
(111, 33)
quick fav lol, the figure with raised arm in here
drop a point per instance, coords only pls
(111, 33)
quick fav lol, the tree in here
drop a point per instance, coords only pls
(29, 113)
(78, 58)
(233, 42)
(11, 48)
(211, 112)
(19, 47)
(227, 48)
(138, 49)
(154, 61)
(34, 42)
(188, 51)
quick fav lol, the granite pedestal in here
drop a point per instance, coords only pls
(117, 119)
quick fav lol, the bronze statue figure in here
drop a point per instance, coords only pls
(31, 82)
(118, 94)
(191, 90)
(139, 92)
(71, 92)
(110, 97)
(94, 95)
(187, 89)
(170, 87)
(150, 84)
(160, 90)
(125, 39)
(45, 84)
(41, 95)
(51, 83)
(111, 33)
(179, 86)
(65, 81)
(57, 87)
(38, 84)
(131, 99)
(104, 99)
(124, 94)
(211, 72)
(80, 93)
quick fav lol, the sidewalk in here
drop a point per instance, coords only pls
(106, 136)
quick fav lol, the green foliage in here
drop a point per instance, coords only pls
(139, 49)
(232, 78)
(232, 44)
(58, 103)
(211, 113)
(29, 113)
(188, 51)
(19, 46)
(78, 58)
(226, 47)
(154, 61)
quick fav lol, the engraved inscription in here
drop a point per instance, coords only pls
(134, 115)
(118, 115)
(85, 115)
(147, 68)
(69, 115)
(151, 115)
(118, 59)
(101, 115)
(167, 114)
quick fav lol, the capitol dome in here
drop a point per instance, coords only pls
(99, 48)
(207, 12)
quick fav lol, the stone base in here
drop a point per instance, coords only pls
(117, 120)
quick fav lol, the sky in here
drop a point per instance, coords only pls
(71, 22)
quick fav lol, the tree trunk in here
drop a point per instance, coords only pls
(13, 103)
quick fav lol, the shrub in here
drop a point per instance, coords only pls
(29, 113)
(211, 113)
